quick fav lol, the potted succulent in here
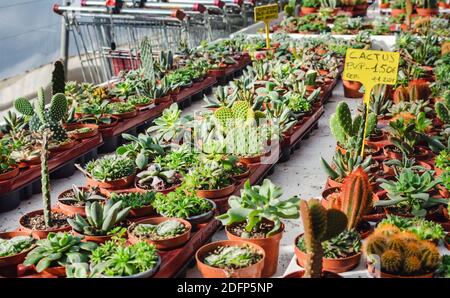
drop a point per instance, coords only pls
(109, 172)
(141, 102)
(141, 149)
(387, 259)
(79, 131)
(165, 233)
(427, 8)
(73, 201)
(230, 259)
(116, 259)
(442, 162)
(8, 166)
(384, 4)
(14, 246)
(155, 178)
(398, 7)
(251, 220)
(123, 110)
(41, 222)
(57, 251)
(101, 223)
(309, 6)
(139, 201)
(180, 204)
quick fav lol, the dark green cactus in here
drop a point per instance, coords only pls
(43, 118)
(58, 78)
(45, 181)
(347, 131)
(147, 61)
(319, 225)
(391, 261)
(442, 111)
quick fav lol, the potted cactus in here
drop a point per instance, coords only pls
(427, 8)
(41, 222)
(309, 6)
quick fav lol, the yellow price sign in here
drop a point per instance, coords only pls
(266, 13)
(370, 68)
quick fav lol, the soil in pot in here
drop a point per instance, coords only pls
(333, 265)
(34, 224)
(161, 242)
(252, 271)
(271, 244)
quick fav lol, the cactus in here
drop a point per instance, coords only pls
(45, 181)
(396, 244)
(165, 60)
(319, 225)
(442, 111)
(356, 196)
(375, 245)
(400, 94)
(344, 117)
(224, 115)
(240, 109)
(430, 256)
(372, 121)
(419, 90)
(388, 229)
(147, 61)
(42, 118)
(58, 78)
(310, 77)
(391, 261)
(412, 249)
(412, 265)
(347, 131)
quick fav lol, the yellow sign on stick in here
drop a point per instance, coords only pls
(266, 13)
(370, 68)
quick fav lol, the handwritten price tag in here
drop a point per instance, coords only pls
(370, 68)
(266, 13)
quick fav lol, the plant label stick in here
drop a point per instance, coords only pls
(370, 68)
(266, 13)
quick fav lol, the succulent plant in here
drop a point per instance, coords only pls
(233, 257)
(344, 164)
(165, 230)
(42, 118)
(81, 196)
(110, 168)
(347, 131)
(100, 219)
(15, 245)
(157, 178)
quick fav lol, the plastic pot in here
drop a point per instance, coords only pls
(40, 234)
(216, 193)
(83, 135)
(271, 246)
(10, 174)
(114, 184)
(16, 259)
(253, 271)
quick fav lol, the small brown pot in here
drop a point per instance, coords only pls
(16, 259)
(96, 239)
(10, 174)
(390, 153)
(299, 274)
(384, 5)
(40, 234)
(115, 184)
(443, 192)
(374, 272)
(253, 271)
(216, 193)
(85, 135)
(397, 11)
(308, 10)
(271, 246)
(332, 265)
(333, 183)
(165, 244)
(251, 160)
(135, 212)
(163, 99)
(63, 147)
(427, 12)
(59, 271)
(127, 115)
(328, 192)
(70, 210)
(242, 176)
(351, 89)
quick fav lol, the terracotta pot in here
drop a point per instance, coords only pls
(166, 98)
(96, 239)
(351, 89)
(40, 234)
(10, 174)
(135, 212)
(442, 5)
(63, 147)
(326, 193)
(70, 210)
(397, 11)
(114, 122)
(332, 265)
(384, 5)
(59, 271)
(333, 183)
(163, 191)
(242, 176)
(16, 259)
(165, 244)
(443, 192)
(427, 12)
(84, 135)
(308, 10)
(325, 274)
(388, 152)
(253, 271)
(374, 272)
(115, 184)
(364, 229)
(127, 115)
(271, 246)
(216, 193)
(251, 160)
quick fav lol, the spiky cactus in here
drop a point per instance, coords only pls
(443, 110)
(391, 261)
(347, 131)
(430, 256)
(42, 118)
(319, 225)
(58, 78)
(375, 245)
(45, 181)
(411, 265)
(240, 109)
(400, 94)
(356, 196)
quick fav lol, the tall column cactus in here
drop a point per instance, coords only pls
(58, 78)
(147, 61)
(45, 180)
(347, 131)
(319, 225)
(356, 196)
